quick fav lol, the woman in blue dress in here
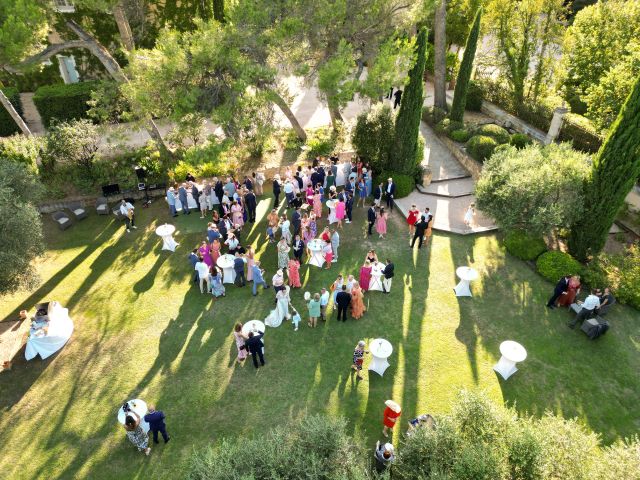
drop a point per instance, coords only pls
(368, 182)
(362, 192)
(215, 280)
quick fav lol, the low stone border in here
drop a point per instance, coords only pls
(89, 201)
(472, 166)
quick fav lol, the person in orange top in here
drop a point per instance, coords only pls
(391, 414)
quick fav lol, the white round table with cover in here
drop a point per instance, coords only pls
(316, 247)
(512, 353)
(225, 262)
(138, 406)
(166, 233)
(380, 350)
(466, 275)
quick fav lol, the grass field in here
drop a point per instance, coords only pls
(143, 330)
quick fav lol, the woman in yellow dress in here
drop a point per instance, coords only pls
(357, 301)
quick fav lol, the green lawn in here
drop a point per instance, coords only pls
(143, 331)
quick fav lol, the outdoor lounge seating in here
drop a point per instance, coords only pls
(78, 210)
(62, 219)
(102, 206)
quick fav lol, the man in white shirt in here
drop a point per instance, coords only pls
(203, 274)
(126, 209)
(335, 243)
(288, 192)
(588, 309)
(324, 301)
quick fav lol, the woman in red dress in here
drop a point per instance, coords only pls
(574, 289)
(391, 414)
(412, 219)
(365, 275)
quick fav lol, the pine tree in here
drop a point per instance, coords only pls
(407, 128)
(466, 67)
(615, 169)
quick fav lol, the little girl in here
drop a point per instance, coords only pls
(358, 358)
(295, 319)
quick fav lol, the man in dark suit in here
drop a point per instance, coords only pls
(390, 192)
(254, 345)
(182, 195)
(250, 203)
(561, 289)
(193, 259)
(155, 419)
(315, 178)
(420, 228)
(371, 217)
(377, 195)
(296, 221)
(222, 229)
(276, 192)
(387, 273)
(218, 189)
(343, 299)
(298, 179)
(298, 248)
(195, 193)
(349, 207)
(248, 183)
(238, 267)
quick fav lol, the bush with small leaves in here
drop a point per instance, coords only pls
(520, 140)
(474, 97)
(553, 265)
(523, 245)
(460, 135)
(447, 126)
(481, 147)
(496, 132)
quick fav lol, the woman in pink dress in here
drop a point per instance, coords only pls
(242, 349)
(294, 273)
(365, 276)
(381, 223)
(215, 251)
(309, 193)
(340, 211)
(205, 254)
(317, 204)
(236, 214)
(250, 262)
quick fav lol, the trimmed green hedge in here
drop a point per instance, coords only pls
(447, 126)
(496, 132)
(8, 126)
(553, 265)
(63, 102)
(474, 97)
(461, 135)
(404, 183)
(481, 147)
(520, 244)
(520, 140)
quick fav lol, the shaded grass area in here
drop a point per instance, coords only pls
(143, 331)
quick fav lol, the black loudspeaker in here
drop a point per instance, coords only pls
(141, 173)
(109, 190)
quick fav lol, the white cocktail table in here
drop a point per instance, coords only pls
(166, 233)
(139, 407)
(466, 275)
(331, 205)
(316, 248)
(376, 276)
(512, 353)
(255, 326)
(225, 262)
(380, 350)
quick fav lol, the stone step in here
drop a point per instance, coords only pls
(461, 187)
(31, 115)
(446, 179)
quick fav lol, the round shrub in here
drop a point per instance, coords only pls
(496, 132)
(520, 140)
(404, 183)
(474, 97)
(524, 246)
(553, 265)
(481, 147)
(447, 126)
(460, 135)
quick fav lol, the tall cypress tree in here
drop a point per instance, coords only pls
(218, 10)
(615, 169)
(466, 67)
(407, 128)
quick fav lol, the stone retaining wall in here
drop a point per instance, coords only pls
(507, 120)
(471, 165)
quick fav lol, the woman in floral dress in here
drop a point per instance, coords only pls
(317, 204)
(313, 226)
(215, 280)
(283, 254)
(236, 214)
(294, 273)
(309, 193)
(250, 257)
(239, 337)
(135, 432)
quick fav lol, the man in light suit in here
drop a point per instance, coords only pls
(390, 192)
(171, 201)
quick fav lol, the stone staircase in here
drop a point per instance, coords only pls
(30, 114)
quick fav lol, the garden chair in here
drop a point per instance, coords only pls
(78, 210)
(102, 206)
(62, 219)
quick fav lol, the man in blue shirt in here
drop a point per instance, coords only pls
(155, 419)
(258, 278)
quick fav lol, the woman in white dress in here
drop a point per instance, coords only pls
(259, 182)
(468, 216)
(281, 311)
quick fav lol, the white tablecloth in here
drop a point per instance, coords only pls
(512, 353)
(465, 274)
(376, 277)
(331, 204)
(60, 330)
(225, 262)
(255, 326)
(380, 350)
(166, 233)
(138, 406)
(317, 257)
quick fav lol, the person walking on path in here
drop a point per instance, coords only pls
(381, 223)
(371, 218)
(155, 419)
(398, 98)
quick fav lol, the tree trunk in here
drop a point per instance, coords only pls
(336, 117)
(14, 114)
(284, 107)
(123, 26)
(440, 56)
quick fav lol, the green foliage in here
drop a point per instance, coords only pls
(555, 264)
(20, 227)
(581, 133)
(499, 134)
(74, 142)
(373, 134)
(316, 447)
(8, 126)
(619, 271)
(447, 126)
(451, 63)
(407, 126)
(524, 246)
(333, 83)
(107, 104)
(323, 141)
(460, 135)
(520, 140)
(21, 149)
(621, 460)
(190, 127)
(23, 30)
(466, 68)
(404, 183)
(433, 115)
(536, 189)
(481, 147)
(63, 102)
(474, 96)
(615, 169)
